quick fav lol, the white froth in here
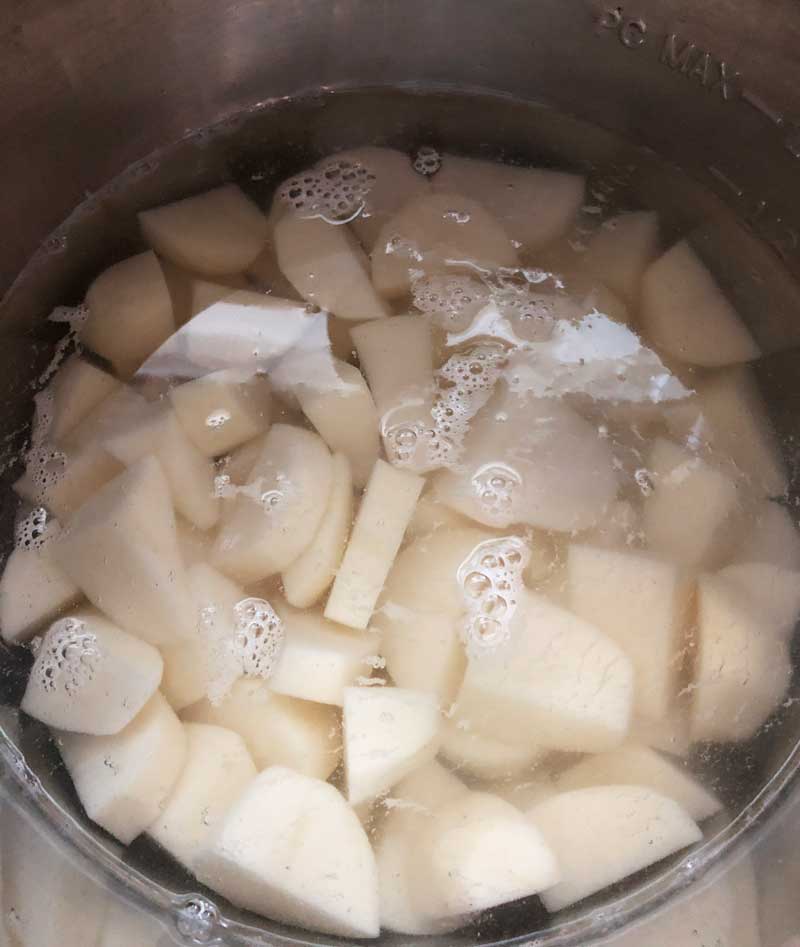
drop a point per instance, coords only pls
(336, 191)
(68, 657)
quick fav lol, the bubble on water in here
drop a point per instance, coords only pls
(450, 301)
(644, 481)
(496, 487)
(457, 216)
(29, 531)
(427, 161)
(45, 467)
(68, 657)
(491, 583)
(401, 246)
(73, 316)
(259, 637)
(271, 499)
(335, 191)
(218, 418)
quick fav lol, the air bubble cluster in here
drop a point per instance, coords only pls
(427, 161)
(336, 191)
(491, 580)
(218, 418)
(450, 301)
(45, 466)
(496, 486)
(259, 637)
(68, 658)
(29, 531)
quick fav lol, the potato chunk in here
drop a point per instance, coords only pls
(292, 849)
(78, 387)
(215, 233)
(124, 780)
(685, 313)
(90, 676)
(601, 835)
(469, 751)
(130, 313)
(621, 250)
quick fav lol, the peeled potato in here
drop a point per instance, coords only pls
(692, 511)
(194, 544)
(773, 592)
(218, 768)
(670, 734)
(771, 536)
(292, 849)
(190, 474)
(557, 682)
(124, 780)
(220, 412)
(310, 575)
(326, 265)
(642, 603)
(685, 313)
(215, 233)
(621, 251)
(122, 408)
(275, 517)
(640, 766)
(77, 387)
(534, 206)
(130, 313)
(278, 731)
(431, 514)
(385, 510)
(445, 232)
(90, 676)
(121, 549)
(542, 465)
(741, 669)
(319, 659)
(603, 834)
(346, 419)
(470, 751)
(33, 590)
(478, 852)
(388, 732)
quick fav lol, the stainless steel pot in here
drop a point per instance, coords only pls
(90, 88)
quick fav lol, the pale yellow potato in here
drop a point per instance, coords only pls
(276, 515)
(603, 834)
(90, 676)
(194, 544)
(346, 419)
(33, 590)
(670, 734)
(770, 536)
(215, 233)
(124, 780)
(320, 875)
(431, 514)
(442, 233)
(621, 250)
(773, 593)
(307, 579)
(469, 751)
(684, 313)
(78, 387)
(122, 550)
(217, 770)
(278, 730)
(388, 733)
(121, 408)
(326, 265)
(130, 313)
(386, 508)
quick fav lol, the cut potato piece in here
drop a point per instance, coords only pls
(440, 233)
(642, 603)
(194, 544)
(773, 593)
(121, 408)
(239, 465)
(190, 474)
(469, 751)
(221, 231)
(346, 419)
(310, 575)
(388, 732)
(218, 769)
(535, 206)
(278, 731)
(121, 549)
(385, 510)
(292, 849)
(671, 734)
(685, 314)
(220, 412)
(526, 794)
(275, 517)
(90, 676)
(396, 355)
(431, 514)
(556, 682)
(601, 835)
(478, 852)
(319, 659)
(130, 313)
(124, 780)
(420, 610)
(77, 388)
(621, 251)
(641, 766)
(543, 465)
(741, 668)
(771, 536)
(33, 590)
(326, 265)
(620, 527)
(691, 513)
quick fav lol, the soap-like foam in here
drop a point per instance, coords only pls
(29, 531)
(336, 191)
(68, 657)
